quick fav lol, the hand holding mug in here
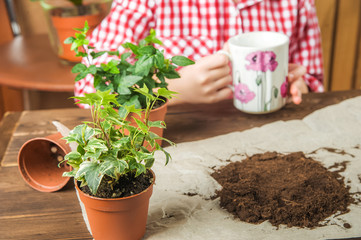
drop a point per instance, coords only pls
(296, 81)
(204, 82)
(259, 70)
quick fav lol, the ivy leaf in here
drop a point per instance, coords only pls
(171, 74)
(97, 54)
(147, 50)
(69, 40)
(129, 81)
(182, 61)
(124, 56)
(113, 167)
(80, 67)
(166, 93)
(73, 156)
(110, 67)
(72, 173)
(132, 47)
(80, 76)
(159, 59)
(151, 38)
(145, 92)
(91, 172)
(141, 125)
(143, 66)
(157, 124)
(149, 162)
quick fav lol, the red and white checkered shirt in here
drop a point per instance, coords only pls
(196, 28)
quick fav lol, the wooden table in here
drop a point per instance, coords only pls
(28, 214)
(31, 64)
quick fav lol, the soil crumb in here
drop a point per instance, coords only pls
(284, 189)
(127, 185)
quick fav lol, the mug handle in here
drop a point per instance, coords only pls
(230, 58)
(225, 53)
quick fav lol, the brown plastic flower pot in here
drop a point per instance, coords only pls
(39, 159)
(116, 218)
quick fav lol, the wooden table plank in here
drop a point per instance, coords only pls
(188, 123)
(39, 124)
(7, 126)
(28, 214)
(27, 201)
(50, 226)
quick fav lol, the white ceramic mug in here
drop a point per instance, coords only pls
(259, 70)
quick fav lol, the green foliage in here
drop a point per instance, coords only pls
(150, 69)
(109, 145)
(74, 2)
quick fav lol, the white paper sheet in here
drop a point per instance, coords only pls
(174, 214)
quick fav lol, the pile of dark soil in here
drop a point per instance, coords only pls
(284, 189)
(126, 186)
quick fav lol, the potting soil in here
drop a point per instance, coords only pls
(284, 189)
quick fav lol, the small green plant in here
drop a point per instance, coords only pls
(108, 145)
(150, 68)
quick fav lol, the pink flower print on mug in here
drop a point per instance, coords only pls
(262, 61)
(259, 66)
(284, 88)
(243, 94)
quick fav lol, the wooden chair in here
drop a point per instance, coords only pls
(10, 99)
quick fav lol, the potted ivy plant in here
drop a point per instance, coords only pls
(112, 168)
(63, 16)
(142, 64)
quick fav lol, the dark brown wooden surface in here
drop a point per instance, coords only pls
(28, 214)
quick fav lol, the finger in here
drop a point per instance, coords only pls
(219, 73)
(296, 93)
(295, 72)
(221, 83)
(222, 94)
(226, 47)
(214, 61)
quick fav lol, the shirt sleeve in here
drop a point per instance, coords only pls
(127, 21)
(308, 51)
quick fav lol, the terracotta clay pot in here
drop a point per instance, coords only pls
(65, 28)
(62, 17)
(38, 161)
(116, 218)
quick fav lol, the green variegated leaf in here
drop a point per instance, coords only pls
(91, 173)
(149, 163)
(73, 156)
(141, 125)
(122, 142)
(72, 173)
(166, 93)
(114, 167)
(158, 124)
